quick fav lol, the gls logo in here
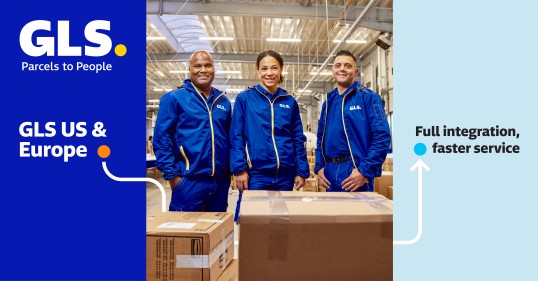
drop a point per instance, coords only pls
(45, 45)
(355, 107)
(221, 107)
(284, 106)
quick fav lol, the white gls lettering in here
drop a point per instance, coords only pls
(221, 107)
(284, 106)
(355, 107)
(45, 44)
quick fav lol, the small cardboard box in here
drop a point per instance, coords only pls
(188, 246)
(233, 184)
(311, 185)
(311, 166)
(231, 273)
(381, 183)
(315, 236)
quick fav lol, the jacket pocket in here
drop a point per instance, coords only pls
(248, 157)
(187, 165)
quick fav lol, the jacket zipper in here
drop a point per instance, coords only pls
(345, 131)
(324, 127)
(209, 110)
(248, 157)
(273, 124)
(184, 156)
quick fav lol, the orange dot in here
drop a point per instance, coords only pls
(103, 151)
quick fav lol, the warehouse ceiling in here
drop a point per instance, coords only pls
(174, 30)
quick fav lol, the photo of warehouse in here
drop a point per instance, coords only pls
(268, 123)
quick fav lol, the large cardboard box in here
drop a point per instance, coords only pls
(315, 236)
(188, 246)
(231, 273)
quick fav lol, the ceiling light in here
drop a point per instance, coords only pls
(155, 38)
(283, 40)
(152, 105)
(216, 38)
(285, 72)
(351, 41)
(161, 90)
(228, 72)
(153, 100)
(160, 73)
(178, 71)
(234, 90)
(304, 91)
(321, 73)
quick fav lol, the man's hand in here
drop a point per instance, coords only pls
(354, 181)
(299, 182)
(322, 180)
(242, 181)
(174, 182)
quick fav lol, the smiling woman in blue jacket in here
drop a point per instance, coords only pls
(266, 135)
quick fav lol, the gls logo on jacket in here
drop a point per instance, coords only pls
(221, 107)
(284, 106)
(355, 107)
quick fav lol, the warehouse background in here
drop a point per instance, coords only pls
(306, 33)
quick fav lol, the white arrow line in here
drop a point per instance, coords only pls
(161, 188)
(419, 164)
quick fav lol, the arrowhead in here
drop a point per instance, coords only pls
(420, 164)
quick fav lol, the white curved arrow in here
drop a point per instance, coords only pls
(419, 164)
(161, 188)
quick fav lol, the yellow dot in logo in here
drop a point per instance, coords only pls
(120, 50)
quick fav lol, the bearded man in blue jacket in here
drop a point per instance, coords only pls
(353, 132)
(190, 140)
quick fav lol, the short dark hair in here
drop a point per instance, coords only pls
(275, 55)
(346, 53)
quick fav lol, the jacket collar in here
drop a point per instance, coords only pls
(279, 91)
(355, 85)
(187, 84)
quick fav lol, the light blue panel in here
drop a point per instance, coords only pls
(467, 64)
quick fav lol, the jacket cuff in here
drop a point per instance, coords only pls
(239, 169)
(365, 172)
(303, 174)
(169, 176)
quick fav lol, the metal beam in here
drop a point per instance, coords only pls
(219, 82)
(161, 27)
(267, 9)
(232, 58)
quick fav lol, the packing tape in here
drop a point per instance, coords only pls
(278, 227)
(220, 253)
(277, 248)
(279, 200)
(210, 220)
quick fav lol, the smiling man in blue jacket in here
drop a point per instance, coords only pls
(190, 140)
(353, 132)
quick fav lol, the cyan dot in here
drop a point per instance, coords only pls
(420, 149)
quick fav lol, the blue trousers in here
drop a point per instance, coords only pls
(267, 180)
(201, 194)
(336, 173)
